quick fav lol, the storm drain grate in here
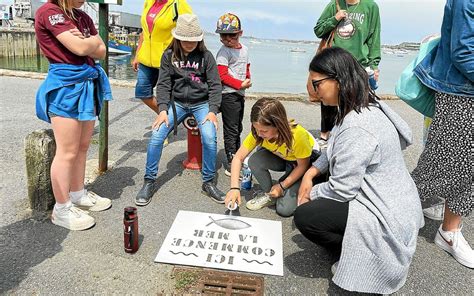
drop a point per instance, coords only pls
(212, 282)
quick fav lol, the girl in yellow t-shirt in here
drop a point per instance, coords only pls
(284, 146)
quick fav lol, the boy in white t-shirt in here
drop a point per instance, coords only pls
(234, 70)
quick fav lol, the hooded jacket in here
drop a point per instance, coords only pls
(191, 82)
(367, 170)
(155, 42)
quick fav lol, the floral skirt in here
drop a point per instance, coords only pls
(445, 167)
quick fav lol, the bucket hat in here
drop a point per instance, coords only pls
(187, 28)
(228, 24)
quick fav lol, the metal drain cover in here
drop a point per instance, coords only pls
(214, 282)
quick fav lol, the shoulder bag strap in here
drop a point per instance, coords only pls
(333, 32)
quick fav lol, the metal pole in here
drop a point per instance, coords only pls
(104, 114)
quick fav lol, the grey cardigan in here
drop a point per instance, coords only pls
(367, 169)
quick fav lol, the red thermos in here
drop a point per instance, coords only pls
(130, 230)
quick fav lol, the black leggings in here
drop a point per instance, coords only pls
(323, 222)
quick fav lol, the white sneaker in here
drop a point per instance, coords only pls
(334, 268)
(72, 219)
(93, 202)
(261, 200)
(435, 212)
(323, 144)
(454, 243)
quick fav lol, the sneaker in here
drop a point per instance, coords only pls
(261, 200)
(146, 193)
(226, 166)
(228, 173)
(455, 244)
(91, 201)
(435, 212)
(334, 268)
(323, 143)
(72, 219)
(210, 189)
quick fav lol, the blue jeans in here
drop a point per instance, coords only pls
(208, 139)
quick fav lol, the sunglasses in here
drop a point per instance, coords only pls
(316, 83)
(229, 35)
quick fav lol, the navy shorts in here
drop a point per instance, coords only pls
(146, 81)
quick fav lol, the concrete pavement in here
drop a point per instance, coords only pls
(37, 257)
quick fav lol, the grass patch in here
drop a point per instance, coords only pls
(95, 141)
(185, 279)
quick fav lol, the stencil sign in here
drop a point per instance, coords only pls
(224, 242)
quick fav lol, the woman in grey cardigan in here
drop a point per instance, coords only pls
(368, 212)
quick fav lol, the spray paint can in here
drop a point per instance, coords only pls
(130, 230)
(246, 183)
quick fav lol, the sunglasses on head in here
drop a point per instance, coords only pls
(316, 83)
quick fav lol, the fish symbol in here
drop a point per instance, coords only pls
(230, 223)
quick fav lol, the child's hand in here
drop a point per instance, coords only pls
(246, 84)
(232, 196)
(161, 118)
(276, 191)
(211, 116)
(341, 14)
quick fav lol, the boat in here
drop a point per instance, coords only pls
(117, 47)
(297, 49)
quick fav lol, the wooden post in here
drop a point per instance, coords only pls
(40, 148)
(104, 114)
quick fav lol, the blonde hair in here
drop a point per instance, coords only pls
(66, 6)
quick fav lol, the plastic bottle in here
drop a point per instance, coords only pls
(130, 230)
(246, 183)
(372, 82)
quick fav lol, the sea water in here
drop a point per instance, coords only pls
(276, 66)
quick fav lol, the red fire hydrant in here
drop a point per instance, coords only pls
(194, 160)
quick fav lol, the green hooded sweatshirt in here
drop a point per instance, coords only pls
(359, 33)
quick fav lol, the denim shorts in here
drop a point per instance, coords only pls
(146, 81)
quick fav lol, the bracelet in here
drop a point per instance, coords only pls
(283, 188)
(234, 188)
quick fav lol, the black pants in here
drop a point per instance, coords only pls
(323, 222)
(232, 108)
(328, 118)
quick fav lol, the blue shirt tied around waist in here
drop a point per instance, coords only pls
(449, 68)
(68, 91)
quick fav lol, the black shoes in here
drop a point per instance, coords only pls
(210, 189)
(228, 164)
(146, 193)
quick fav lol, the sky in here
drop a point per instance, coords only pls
(402, 20)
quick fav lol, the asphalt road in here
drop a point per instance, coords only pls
(37, 257)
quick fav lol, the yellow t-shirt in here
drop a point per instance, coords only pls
(303, 143)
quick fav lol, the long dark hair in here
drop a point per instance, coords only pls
(354, 90)
(178, 53)
(270, 112)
